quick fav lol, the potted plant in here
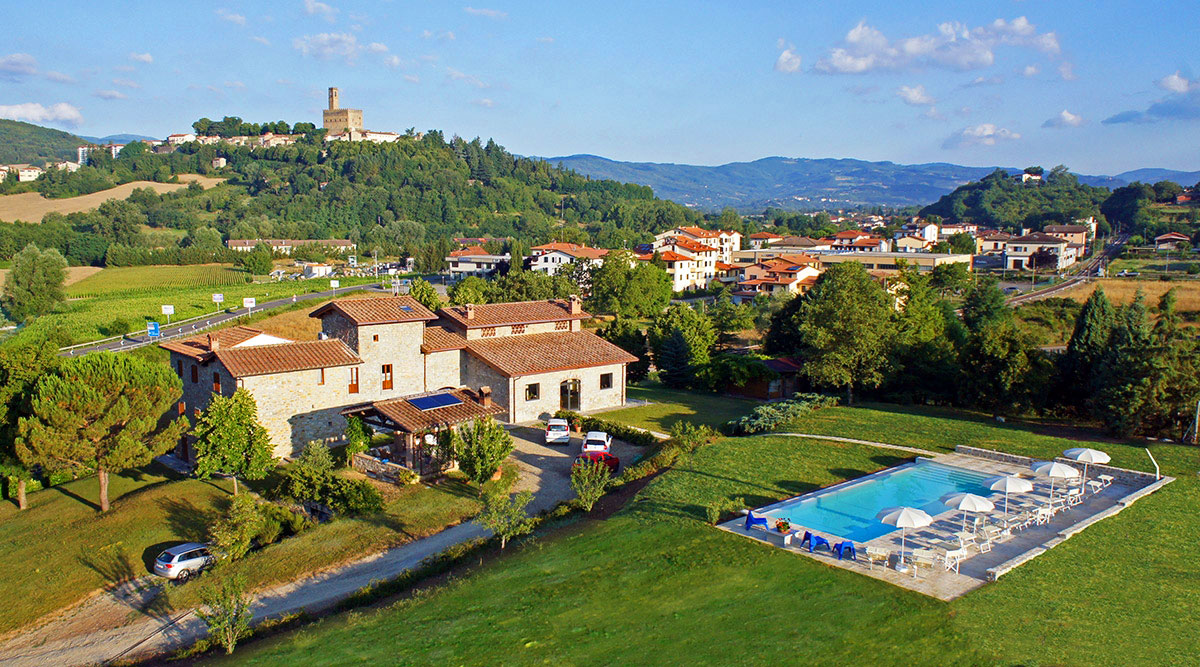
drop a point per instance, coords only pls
(783, 526)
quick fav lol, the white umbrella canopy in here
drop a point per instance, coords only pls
(1008, 484)
(1054, 470)
(1087, 456)
(967, 502)
(904, 518)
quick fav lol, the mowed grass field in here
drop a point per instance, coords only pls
(1122, 291)
(32, 206)
(654, 584)
(60, 550)
(669, 406)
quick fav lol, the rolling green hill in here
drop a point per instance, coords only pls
(27, 143)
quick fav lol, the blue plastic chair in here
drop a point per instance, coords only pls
(845, 550)
(752, 521)
(807, 539)
(817, 541)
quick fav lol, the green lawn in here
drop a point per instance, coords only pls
(654, 584)
(74, 550)
(670, 406)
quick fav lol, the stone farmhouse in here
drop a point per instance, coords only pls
(388, 357)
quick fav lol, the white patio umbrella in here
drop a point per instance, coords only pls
(1008, 484)
(1054, 470)
(1086, 456)
(904, 518)
(967, 502)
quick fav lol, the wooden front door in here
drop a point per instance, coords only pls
(569, 395)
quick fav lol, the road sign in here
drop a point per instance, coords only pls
(218, 298)
(335, 284)
(352, 260)
(152, 330)
(249, 302)
(168, 310)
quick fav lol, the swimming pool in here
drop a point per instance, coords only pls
(849, 510)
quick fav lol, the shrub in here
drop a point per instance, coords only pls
(689, 436)
(308, 477)
(354, 497)
(358, 438)
(715, 510)
(589, 483)
(242, 522)
(769, 416)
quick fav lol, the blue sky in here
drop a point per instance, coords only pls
(1100, 86)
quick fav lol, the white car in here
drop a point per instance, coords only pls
(597, 441)
(183, 561)
(558, 432)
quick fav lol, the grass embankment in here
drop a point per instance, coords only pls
(60, 550)
(653, 582)
(669, 406)
(122, 300)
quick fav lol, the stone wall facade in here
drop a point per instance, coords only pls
(297, 408)
(511, 392)
(539, 327)
(444, 369)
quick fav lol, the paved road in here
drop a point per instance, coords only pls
(544, 470)
(1090, 269)
(195, 326)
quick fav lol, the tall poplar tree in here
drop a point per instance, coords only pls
(103, 410)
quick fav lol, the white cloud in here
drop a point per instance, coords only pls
(1067, 71)
(392, 61)
(985, 134)
(1064, 119)
(484, 102)
(59, 77)
(954, 46)
(465, 78)
(426, 34)
(328, 46)
(32, 112)
(110, 94)
(1175, 83)
(788, 61)
(1030, 70)
(448, 36)
(933, 114)
(261, 40)
(412, 78)
(915, 96)
(490, 13)
(376, 47)
(124, 68)
(237, 85)
(546, 40)
(984, 81)
(314, 8)
(142, 57)
(126, 83)
(226, 15)
(17, 66)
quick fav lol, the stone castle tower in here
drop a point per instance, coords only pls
(338, 120)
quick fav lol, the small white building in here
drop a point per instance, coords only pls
(1018, 252)
(550, 257)
(314, 270)
(180, 139)
(475, 261)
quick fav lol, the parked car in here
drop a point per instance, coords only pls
(1129, 274)
(558, 432)
(597, 441)
(183, 561)
(588, 458)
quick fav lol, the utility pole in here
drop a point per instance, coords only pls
(1196, 425)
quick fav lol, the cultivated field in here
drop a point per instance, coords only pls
(31, 206)
(74, 273)
(1122, 291)
(143, 279)
(292, 324)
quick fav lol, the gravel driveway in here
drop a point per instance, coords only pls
(546, 469)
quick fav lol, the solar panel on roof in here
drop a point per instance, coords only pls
(434, 402)
(407, 309)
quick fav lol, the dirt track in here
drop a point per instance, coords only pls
(31, 206)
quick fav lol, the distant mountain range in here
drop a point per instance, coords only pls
(115, 138)
(806, 183)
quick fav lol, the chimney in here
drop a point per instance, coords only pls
(213, 343)
(470, 311)
(485, 396)
(576, 304)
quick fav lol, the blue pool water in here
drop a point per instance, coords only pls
(849, 511)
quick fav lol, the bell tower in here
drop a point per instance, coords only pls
(338, 120)
(333, 99)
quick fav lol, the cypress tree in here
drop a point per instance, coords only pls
(1121, 379)
(1093, 329)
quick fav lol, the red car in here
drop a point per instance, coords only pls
(602, 457)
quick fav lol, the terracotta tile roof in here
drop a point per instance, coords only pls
(411, 419)
(800, 259)
(1172, 236)
(866, 243)
(468, 252)
(377, 310)
(438, 338)
(1038, 237)
(765, 235)
(286, 357)
(504, 314)
(669, 256)
(849, 234)
(722, 266)
(799, 241)
(197, 347)
(702, 233)
(688, 244)
(514, 356)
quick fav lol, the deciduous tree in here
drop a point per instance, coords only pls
(425, 294)
(483, 446)
(34, 285)
(226, 610)
(589, 481)
(20, 367)
(626, 334)
(102, 410)
(230, 439)
(505, 515)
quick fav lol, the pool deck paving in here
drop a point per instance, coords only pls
(978, 568)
